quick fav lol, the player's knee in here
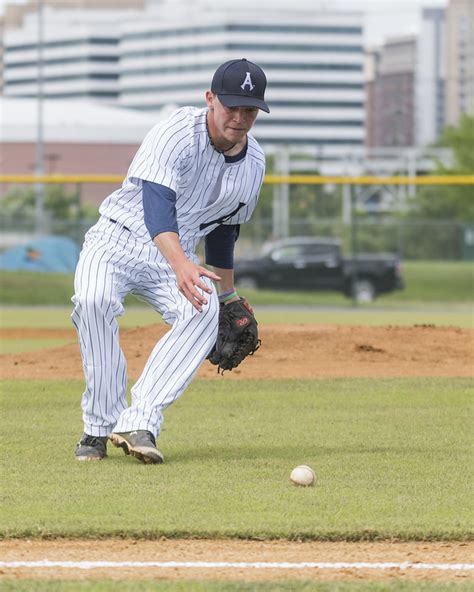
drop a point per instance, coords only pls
(96, 304)
(88, 301)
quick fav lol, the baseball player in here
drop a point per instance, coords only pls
(196, 176)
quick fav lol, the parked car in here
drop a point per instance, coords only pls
(315, 264)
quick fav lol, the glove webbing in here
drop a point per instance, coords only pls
(246, 339)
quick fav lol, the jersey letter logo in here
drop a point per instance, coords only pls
(247, 82)
(222, 219)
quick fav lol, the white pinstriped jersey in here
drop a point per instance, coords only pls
(177, 153)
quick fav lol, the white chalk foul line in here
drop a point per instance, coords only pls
(235, 564)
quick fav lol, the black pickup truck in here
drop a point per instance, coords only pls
(312, 264)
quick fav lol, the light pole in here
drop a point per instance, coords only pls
(39, 168)
(281, 196)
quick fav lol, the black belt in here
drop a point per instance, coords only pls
(115, 222)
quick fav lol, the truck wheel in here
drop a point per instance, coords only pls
(247, 282)
(363, 291)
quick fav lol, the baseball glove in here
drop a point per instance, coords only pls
(237, 337)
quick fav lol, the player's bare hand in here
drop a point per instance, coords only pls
(192, 286)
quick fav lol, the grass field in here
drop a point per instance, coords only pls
(392, 458)
(426, 282)
(59, 316)
(24, 345)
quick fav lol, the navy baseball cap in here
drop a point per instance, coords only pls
(240, 83)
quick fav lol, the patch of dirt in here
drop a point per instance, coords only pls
(287, 351)
(168, 550)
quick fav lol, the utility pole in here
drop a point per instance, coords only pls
(354, 245)
(281, 196)
(39, 168)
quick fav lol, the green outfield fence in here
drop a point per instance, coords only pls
(290, 205)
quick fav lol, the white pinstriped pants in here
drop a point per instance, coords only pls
(110, 266)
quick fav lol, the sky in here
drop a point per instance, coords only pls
(384, 18)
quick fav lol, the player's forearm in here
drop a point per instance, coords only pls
(188, 274)
(227, 279)
(169, 245)
(226, 285)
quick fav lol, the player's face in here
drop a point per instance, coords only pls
(230, 124)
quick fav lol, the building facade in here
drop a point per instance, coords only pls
(430, 77)
(391, 118)
(80, 137)
(78, 58)
(14, 16)
(313, 61)
(459, 60)
(167, 55)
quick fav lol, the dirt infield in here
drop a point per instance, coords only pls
(119, 550)
(288, 351)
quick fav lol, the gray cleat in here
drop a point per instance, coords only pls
(91, 448)
(140, 444)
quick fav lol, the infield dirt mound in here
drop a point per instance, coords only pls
(288, 351)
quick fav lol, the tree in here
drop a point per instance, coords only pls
(60, 204)
(461, 140)
(451, 202)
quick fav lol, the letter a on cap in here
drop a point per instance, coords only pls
(247, 81)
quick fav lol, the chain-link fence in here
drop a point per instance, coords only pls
(411, 240)
(432, 222)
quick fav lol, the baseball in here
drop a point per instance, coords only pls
(303, 476)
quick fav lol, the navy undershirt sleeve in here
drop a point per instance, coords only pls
(220, 246)
(159, 208)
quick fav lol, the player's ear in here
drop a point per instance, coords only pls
(210, 96)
